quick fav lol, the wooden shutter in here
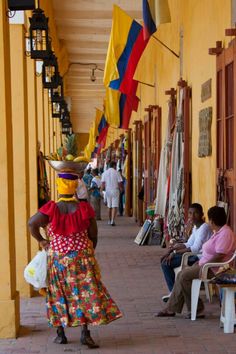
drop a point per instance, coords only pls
(225, 123)
(147, 157)
(156, 144)
(139, 168)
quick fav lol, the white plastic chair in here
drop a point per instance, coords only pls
(196, 284)
(227, 316)
(184, 262)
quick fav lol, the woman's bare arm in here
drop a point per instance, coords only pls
(35, 222)
(93, 232)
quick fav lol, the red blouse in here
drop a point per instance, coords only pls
(68, 231)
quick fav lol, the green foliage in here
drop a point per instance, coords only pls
(71, 144)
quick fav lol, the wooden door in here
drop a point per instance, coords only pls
(225, 112)
(187, 151)
(139, 169)
(152, 150)
(129, 181)
(147, 159)
(156, 145)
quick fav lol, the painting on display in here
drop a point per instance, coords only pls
(204, 143)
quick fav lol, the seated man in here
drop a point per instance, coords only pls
(219, 248)
(172, 259)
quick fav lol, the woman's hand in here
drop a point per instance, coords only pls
(44, 244)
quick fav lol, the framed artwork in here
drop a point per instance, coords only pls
(143, 233)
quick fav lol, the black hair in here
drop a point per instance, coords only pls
(113, 164)
(198, 207)
(95, 170)
(217, 215)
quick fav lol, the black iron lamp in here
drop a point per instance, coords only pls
(50, 73)
(57, 92)
(65, 114)
(57, 99)
(39, 37)
(56, 109)
(66, 127)
(19, 5)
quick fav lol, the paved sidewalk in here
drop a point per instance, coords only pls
(133, 277)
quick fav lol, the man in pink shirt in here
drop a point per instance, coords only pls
(219, 248)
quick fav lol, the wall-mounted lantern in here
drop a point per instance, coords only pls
(39, 37)
(57, 99)
(19, 5)
(56, 109)
(57, 92)
(65, 114)
(66, 127)
(50, 73)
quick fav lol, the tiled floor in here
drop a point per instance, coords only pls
(132, 275)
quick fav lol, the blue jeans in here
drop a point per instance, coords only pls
(168, 269)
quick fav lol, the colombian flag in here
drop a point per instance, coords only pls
(125, 48)
(127, 104)
(91, 143)
(97, 134)
(102, 131)
(111, 107)
(119, 107)
(155, 12)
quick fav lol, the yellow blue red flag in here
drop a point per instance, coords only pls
(125, 48)
(155, 12)
(119, 107)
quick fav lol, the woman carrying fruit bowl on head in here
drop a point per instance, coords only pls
(75, 294)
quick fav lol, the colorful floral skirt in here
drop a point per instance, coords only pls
(75, 294)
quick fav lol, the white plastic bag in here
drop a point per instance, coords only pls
(35, 272)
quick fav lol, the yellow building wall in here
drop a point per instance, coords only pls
(82, 141)
(203, 22)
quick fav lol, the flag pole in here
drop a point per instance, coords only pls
(158, 40)
(144, 83)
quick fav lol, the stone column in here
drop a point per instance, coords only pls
(47, 133)
(40, 113)
(9, 297)
(21, 153)
(33, 144)
(52, 122)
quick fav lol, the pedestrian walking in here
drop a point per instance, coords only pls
(95, 193)
(75, 294)
(112, 183)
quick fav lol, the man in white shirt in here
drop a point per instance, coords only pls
(200, 234)
(112, 183)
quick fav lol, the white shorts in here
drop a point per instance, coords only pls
(112, 198)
